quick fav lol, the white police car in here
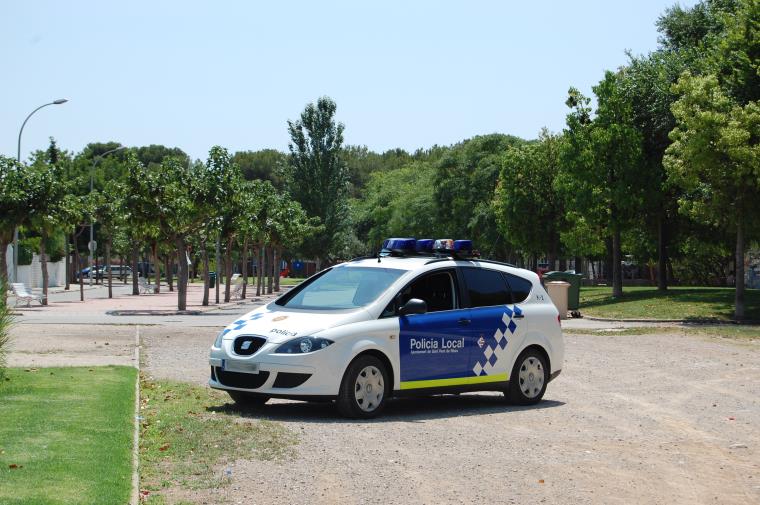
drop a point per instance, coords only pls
(423, 317)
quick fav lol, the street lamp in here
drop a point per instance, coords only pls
(91, 245)
(18, 159)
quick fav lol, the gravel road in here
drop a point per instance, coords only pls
(632, 419)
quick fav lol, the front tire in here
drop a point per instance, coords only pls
(527, 384)
(247, 400)
(364, 388)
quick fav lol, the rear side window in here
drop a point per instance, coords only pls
(486, 287)
(521, 288)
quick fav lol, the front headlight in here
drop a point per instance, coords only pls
(218, 341)
(303, 345)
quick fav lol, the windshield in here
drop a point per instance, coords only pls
(344, 288)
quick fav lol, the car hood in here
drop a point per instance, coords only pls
(279, 324)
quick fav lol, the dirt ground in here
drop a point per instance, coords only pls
(632, 419)
(38, 345)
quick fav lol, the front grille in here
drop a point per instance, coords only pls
(290, 380)
(241, 380)
(247, 345)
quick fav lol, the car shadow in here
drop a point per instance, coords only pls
(397, 409)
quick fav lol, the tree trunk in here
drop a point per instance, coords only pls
(43, 266)
(110, 270)
(578, 262)
(270, 269)
(259, 268)
(204, 256)
(157, 262)
(4, 269)
(218, 265)
(121, 264)
(662, 253)
(77, 269)
(319, 263)
(227, 270)
(739, 271)
(608, 261)
(135, 273)
(245, 268)
(168, 269)
(617, 271)
(278, 260)
(181, 275)
(67, 255)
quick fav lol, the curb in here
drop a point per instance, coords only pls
(713, 322)
(135, 497)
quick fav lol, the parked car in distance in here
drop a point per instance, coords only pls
(84, 273)
(117, 271)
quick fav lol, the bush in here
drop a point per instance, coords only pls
(5, 327)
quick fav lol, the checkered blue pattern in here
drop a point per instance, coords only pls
(496, 344)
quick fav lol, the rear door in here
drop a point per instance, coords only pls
(496, 323)
(432, 346)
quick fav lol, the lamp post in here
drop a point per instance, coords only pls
(18, 159)
(91, 245)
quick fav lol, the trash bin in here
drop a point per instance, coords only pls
(558, 293)
(212, 280)
(573, 293)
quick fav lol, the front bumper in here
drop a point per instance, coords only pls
(278, 375)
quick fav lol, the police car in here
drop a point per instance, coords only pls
(422, 317)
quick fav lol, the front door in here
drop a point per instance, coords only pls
(433, 346)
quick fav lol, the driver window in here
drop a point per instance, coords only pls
(437, 290)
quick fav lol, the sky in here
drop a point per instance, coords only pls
(409, 74)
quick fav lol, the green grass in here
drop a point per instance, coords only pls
(694, 303)
(290, 281)
(66, 435)
(720, 331)
(189, 432)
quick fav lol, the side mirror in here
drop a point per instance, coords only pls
(413, 306)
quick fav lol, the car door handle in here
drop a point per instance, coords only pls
(518, 316)
(464, 322)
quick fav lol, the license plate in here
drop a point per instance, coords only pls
(231, 365)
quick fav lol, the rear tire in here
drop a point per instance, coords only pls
(527, 384)
(243, 399)
(364, 389)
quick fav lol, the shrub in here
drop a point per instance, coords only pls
(5, 326)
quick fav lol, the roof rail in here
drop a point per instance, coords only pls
(451, 258)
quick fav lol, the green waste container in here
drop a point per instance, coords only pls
(211, 280)
(573, 292)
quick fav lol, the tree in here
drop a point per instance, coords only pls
(465, 181)
(21, 190)
(50, 211)
(715, 155)
(647, 84)
(265, 165)
(603, 178)
(397, 202)
(525, 204)
(317, 177)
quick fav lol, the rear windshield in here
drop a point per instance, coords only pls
(342, 288)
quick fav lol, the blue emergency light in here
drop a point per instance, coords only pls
(461, 246)
(400, 245)
(425, 245)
